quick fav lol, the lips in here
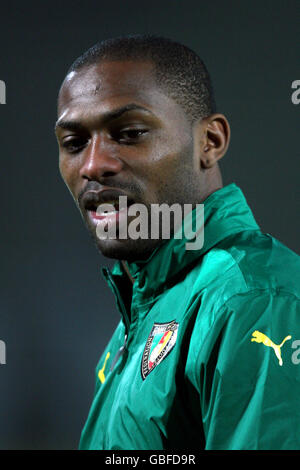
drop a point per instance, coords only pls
(92, 199)
(109, 200)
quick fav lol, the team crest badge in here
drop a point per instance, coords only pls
(160, 342)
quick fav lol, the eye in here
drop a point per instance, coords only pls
(130, 135)
(74, 144)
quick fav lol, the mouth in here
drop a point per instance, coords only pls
(106, 206)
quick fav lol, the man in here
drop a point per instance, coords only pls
(204, 356)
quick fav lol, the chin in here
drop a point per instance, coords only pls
(127, 250)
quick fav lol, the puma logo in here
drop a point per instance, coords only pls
(101, 371)
(262, 338)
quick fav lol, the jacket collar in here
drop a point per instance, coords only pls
(226, 212)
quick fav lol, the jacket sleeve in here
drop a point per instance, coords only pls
(247, 373)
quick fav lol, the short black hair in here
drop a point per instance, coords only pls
(178, 70)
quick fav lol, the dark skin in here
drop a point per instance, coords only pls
(150, 152)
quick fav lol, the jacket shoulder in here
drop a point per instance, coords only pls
(246, 262)
(264, 262)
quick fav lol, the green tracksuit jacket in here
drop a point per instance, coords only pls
(207, 352)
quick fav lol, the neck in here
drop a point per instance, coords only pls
(213, 181)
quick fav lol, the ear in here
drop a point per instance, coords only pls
(211, 139)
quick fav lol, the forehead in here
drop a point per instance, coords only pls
(113, 83)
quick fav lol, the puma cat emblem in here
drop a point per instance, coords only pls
(101, 371)
(262, 338)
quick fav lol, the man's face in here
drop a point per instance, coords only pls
(120, 134)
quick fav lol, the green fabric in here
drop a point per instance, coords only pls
(215, 389)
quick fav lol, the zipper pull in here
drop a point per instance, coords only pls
(119, 354)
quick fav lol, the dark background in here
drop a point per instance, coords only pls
(56, 314)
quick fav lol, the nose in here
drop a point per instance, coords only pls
(99, 160)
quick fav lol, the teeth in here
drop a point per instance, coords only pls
(106, 212)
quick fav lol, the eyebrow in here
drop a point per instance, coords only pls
(108, 116)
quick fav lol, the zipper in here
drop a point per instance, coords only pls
(123, 312)
(120, 352)
(109, 278)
